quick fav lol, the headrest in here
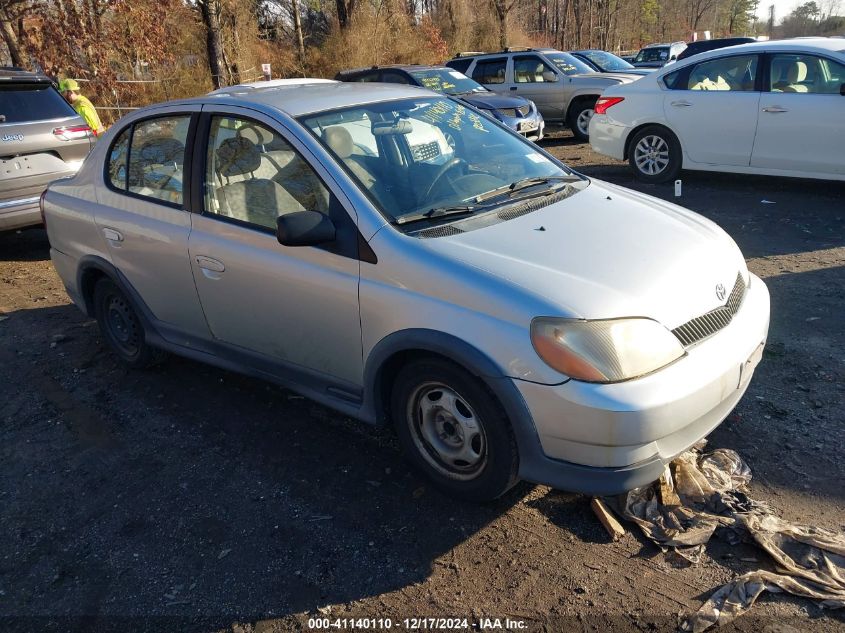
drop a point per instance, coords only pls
(797, 72)
(237, 156)
(339, 140)
(780, 69)
(256, 134)
(162, 150)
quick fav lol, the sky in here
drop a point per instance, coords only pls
(782, 8)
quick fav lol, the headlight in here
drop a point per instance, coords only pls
(604, 351)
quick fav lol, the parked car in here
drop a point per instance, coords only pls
(658, 55)
(496, 307)
(518, 113)
(773, 108)
(604, 62)
(563, 87)
(701, 46)
(41, 138)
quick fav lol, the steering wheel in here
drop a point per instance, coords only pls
(445, 167)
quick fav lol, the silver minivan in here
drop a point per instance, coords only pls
(395, 255)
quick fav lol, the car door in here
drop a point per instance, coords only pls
(536, 80)
(712, 107)
(296, 307)
(143, 219)
(801, 114)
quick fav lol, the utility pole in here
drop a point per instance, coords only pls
(771, 24)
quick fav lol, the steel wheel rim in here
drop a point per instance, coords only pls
(583, 121)
(122, 325)
(651, 154)
(446, 431)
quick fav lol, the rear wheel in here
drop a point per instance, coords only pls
(579, 117)
(121, 327)
(655, 155)
(453, 430)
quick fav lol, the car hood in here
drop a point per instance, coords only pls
(492, 101)
(607, 252)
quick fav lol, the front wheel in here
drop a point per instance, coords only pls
(655, 155)
(579, 119)
(453, 430)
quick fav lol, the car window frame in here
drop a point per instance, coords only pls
(769, 58)
(496, 58)
(187, 166)
(685, 72)
(351, 244)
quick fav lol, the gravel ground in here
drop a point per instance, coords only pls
(186, 498)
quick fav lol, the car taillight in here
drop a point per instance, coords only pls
(41, 206)
(606, 102)
(72, 132)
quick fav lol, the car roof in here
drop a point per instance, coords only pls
(11, 75)
(406, 67)
(798, 44)
(297, 100)
(254, 85)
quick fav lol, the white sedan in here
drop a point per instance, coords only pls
(770, 108)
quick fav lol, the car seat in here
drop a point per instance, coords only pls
(255, 200)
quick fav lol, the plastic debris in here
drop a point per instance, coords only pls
(700, 493)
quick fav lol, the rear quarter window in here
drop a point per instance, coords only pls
(21, 103)
(461, 65)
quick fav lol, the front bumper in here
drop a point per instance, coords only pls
(608, 138)
(606, 439)
(531, 127)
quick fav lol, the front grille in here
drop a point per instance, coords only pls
(708, 324)
(516, 112)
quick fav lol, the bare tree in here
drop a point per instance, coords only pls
(211, 11)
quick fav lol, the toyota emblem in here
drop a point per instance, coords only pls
(720, 292)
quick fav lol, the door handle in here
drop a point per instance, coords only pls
(513, 87)
(209, 263)
(681, 104)
(774, 109)
(112, 236)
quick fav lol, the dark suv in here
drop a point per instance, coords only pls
(694, 48)
(518, 113)
(41, 139)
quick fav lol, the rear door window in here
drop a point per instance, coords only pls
(490, 71)
(20, 103)
(148, 159)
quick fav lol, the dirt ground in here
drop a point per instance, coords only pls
(186, 498)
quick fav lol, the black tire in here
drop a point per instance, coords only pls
(574, 118)
(436, 442)
(121, 327)
(665, 147)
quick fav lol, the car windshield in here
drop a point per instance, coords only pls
(32, 102)
(568, 64)
(429, 158)
(447, 81)
(656, 54)
(607, 61)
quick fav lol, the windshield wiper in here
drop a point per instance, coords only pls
(437, 212)
(522, 184)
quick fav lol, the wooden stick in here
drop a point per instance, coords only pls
(613, 527)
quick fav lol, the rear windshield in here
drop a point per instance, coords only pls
(32, 102)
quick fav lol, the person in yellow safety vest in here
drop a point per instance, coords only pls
(83, 106)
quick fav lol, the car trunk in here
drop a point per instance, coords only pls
(41, 138)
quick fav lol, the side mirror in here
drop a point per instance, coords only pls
(549, 76)
(673, 58)
(304, 228)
